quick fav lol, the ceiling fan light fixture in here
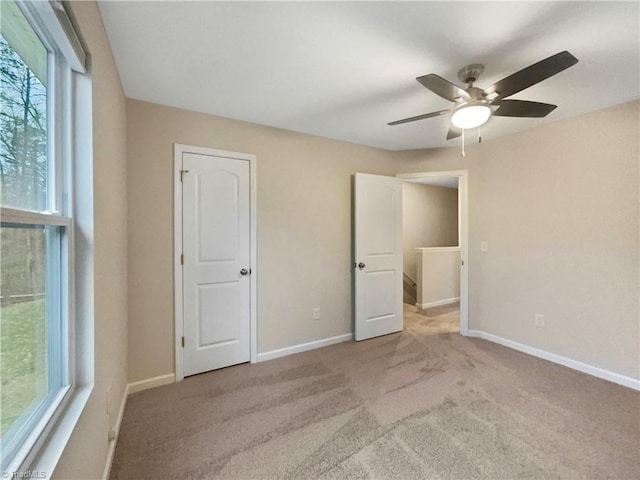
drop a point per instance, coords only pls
(470, 115)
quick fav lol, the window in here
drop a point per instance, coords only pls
(36, 231)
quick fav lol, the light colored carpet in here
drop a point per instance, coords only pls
(413, 405)
(432, 321)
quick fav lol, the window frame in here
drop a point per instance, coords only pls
(35, 431)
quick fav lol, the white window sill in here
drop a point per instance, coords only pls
(51, 451)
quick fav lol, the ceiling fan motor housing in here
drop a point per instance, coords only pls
(476, 93)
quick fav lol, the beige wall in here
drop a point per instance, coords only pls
(304, 228)
(559, 207)
(86, 452)
(438, 276)
(429, 219)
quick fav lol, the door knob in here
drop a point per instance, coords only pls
(361, 265)
(245, 272)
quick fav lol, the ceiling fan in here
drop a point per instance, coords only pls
(474, 106)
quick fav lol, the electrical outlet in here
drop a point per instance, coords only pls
(484, 246)
(539, 320)
(316, 313)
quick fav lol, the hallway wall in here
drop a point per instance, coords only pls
(429, 219)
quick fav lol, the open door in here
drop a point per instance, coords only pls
(378, 255)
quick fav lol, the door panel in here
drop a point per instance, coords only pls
(378, 255)
(218, 241)
(223, 299)
(216, 247)
(379, 303)
(380, 225)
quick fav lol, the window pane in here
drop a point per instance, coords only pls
(25, 316)
(23, 112)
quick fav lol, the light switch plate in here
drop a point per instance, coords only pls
(484, 246)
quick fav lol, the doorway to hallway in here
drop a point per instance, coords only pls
(435, 237)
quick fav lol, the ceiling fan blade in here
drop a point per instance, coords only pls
(453, 132)
(523, 108)
(419, 117)
(532, 74)
(442, 87)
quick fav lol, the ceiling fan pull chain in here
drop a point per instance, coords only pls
(462, 136)
(479, 136)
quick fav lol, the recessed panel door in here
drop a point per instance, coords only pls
(216, 264)
(378, 255)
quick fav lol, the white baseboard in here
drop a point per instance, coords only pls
(559, 359)
(152, 382)
(112, 446)
(437, 303)
(132, 388)
(303, 347)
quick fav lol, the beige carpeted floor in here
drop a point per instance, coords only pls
(422, 404)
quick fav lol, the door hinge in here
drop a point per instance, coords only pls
(463, 263)
(182, 172)
(182, 259)
(182, 342)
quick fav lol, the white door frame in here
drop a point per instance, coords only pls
(177, 241)
(463, 234)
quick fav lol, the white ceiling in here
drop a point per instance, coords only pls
(343, 70)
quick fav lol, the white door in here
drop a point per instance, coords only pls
(216, 263)
(378, 255)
